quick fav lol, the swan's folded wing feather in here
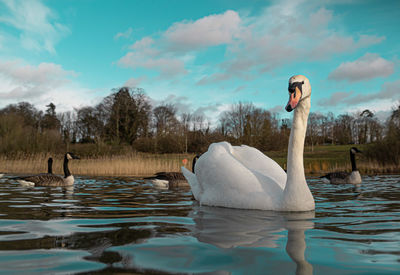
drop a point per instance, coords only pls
(255, 160)
(226, 181)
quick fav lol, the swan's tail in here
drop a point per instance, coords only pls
(192, 180)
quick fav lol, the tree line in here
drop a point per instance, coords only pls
(126, 120)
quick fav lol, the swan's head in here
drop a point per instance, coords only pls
(299, 89)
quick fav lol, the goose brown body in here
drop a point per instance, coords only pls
(49, 179)
(171, 179)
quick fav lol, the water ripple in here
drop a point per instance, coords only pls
(111, 225)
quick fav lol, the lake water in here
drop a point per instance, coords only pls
(122, 225)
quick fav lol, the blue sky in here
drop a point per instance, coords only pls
(201, 55)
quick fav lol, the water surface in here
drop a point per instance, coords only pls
(124, 225)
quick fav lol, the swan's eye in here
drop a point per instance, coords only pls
(292, 87)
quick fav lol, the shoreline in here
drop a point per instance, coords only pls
(143, 165)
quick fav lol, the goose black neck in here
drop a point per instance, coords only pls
(194, 162)
(50, 167)
(66, 170)
(353, 161)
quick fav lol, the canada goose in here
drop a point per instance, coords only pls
(243, 177)
(171, 179)
(50, 179)
(352, 177)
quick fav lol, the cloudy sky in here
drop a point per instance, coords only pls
(201, 55)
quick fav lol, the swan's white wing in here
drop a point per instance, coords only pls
(226, 181)
(256, 161)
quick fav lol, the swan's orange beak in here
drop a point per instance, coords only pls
(294, 99)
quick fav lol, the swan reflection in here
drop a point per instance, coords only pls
(229, 228)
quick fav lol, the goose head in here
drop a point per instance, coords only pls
(70, 155)
(354, 150)
(194, 162)
(299, 89)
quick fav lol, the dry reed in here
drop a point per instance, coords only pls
(137, 164)
(140, 165)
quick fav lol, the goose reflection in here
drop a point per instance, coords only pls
(229, 228)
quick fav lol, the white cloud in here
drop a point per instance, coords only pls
(388, 93)
(208, 79)
(41, 84)
(2, 40)
(125, 34)
(134, 82)
(35, 22)
(167, 66)
(335, 99)
(389, 90)
(239, 89)
(208, 31)
(145, 55)
(169, 53)
(143, 44)
(277, 109)
(43, 73)
(367, 67)
(336, 43)
(280, 34)
(29, 81)
(183, 105)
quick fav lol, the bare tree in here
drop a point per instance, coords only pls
(343, 129)
(165, 120)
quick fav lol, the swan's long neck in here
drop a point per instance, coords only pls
(297, 195)
(295, 168)
(66, 170)
(353, 161)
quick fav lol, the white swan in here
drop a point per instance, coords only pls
(243, 177)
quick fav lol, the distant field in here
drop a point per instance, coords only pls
(322, 159)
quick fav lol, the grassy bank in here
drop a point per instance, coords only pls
(330, 158)
(321, 159)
